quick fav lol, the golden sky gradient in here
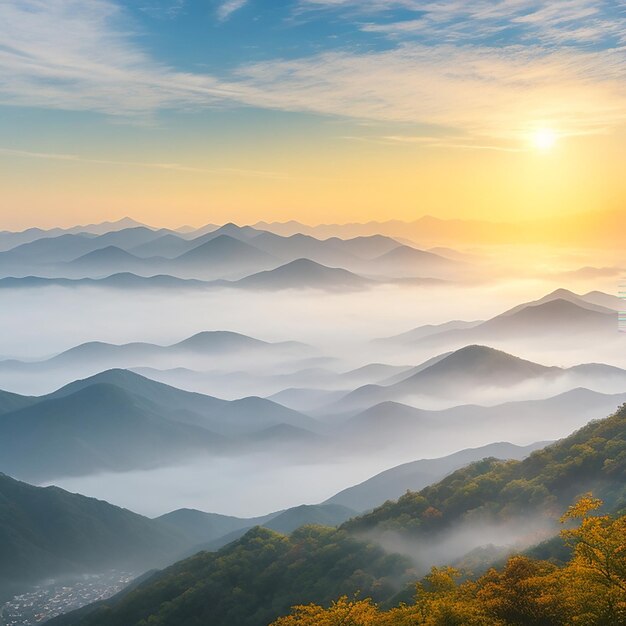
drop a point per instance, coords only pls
(496, 111)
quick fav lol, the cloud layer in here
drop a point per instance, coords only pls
(67, 54)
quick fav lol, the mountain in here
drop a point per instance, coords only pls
(103, 228)
(365, 247)
(119, 420)
(230, 229)
(297, 246)
(222, 255)
(568, 310)
(547, 319)
(562, 294)
(460, 373)
(407, 261)
(549, 316)
(395, 426)
(413, 476)
(201, 527)
(99, 428)
(98, 355)
(599, 229)
(421, 332)
(230, 417)
(121, 280)
(47, 250)
(347, 253)
(215, 531)
(326, 514)
(605, 300)
(166, 246)
(225, 341)
(70, 245)
(13, 401)
(252, 581)
(10, 239)
(106, 260)
(46, 532)
(304, 274)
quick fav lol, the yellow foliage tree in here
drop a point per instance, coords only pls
(589, 591)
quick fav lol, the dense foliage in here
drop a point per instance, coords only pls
(252, 581)
(593, 458)
(590, 590)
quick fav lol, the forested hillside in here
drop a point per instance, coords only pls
(257, 578)
(251, 581)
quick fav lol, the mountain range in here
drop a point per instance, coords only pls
(118, 420)
(560, 314)
(228, 252)
(464, 373)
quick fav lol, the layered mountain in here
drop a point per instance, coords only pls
(304, 274)
(407, 261)
(119, 420)
(297, 246)
(120, 280)
(453, 376)
(472, 372)
(97, 355)
(391, 424)
(221, 256)
(99, 428)
(551, 319)
(68, 246)
(109, 260)
(245, 415)
(557, 314)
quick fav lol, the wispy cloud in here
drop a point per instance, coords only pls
(74, 55)
(228, 7)
(69, 54)
(503, 92)
(177, 167)
(557, 22)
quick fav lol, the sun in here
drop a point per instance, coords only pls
(544, 139)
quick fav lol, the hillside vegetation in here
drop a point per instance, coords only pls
(257, 578)
(590, 589)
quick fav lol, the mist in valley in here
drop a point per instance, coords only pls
(174, 397)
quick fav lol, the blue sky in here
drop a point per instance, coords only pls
(247, 85)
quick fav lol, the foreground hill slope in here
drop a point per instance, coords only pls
(252, 581)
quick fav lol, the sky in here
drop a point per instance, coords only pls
(195, 111)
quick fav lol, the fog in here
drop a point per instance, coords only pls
(243, 486)
(338, 329)
(515, 534)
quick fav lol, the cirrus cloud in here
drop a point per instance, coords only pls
(67, 54)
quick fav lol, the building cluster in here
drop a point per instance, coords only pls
(49, 600)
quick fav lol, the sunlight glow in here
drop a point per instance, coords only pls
(544, 139)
